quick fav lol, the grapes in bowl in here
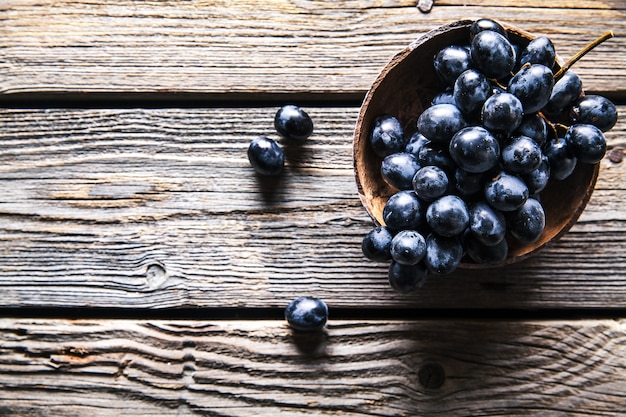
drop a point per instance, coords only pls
(502, 153)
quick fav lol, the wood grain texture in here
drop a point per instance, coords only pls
(250, 368)
(273, 47)
(159, 208)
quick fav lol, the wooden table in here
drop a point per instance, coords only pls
(144, 268)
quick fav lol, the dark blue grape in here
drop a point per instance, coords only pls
(398, 170)
(406, 279)
(403, 211)
(539, 51)
(534, 126)
(483, 254)
(450, 62)
(443, 254)
(564, 93)
(521, 155)
(471, 89)
(448, 216)
(307, 314)
(486, 24)
(526, 224)
(506, 192)
(436, 154)
(487, 224)
(266, 156)
(492, 54)
(415, 143)
(376, 244)
(586, 142)
(430, 183)
(408, 247)
(538, 179)
(445, 97)
(562, 162)
(502, 113)
(440, 122)
(468, 184)
(532, 85)
(387, 136)
(596, 110)
(293, 123)
(474, 149)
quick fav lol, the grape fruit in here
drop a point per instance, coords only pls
(468, 174)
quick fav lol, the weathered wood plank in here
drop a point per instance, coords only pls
(355, 368)
(160, 208)
(282, 46)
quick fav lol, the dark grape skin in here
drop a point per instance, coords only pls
(403, 211)
(408, 247)
(293, 123)
(307, 314)
(450, 62)
(562, 162)
(440, 122)
(467, 184)
(506, 192)
(443, 254)
(586, 142)
(445, 97)
(521, 155)
(486, 24)
(415, 143)
(376, 245)
(564, 93)
(538, 179)
(526, 224)
(398, 170)
(487, 224)
(596, 110)
(502, 113)
(492, 54)
(474, 149)
(387, 135)
(405, 279)
(534, 126)
(430, 182)
(448, 216)
(483, 254)
(433, 153)
(532, 85)
(471, 89)
(266, 156)
(539, 51)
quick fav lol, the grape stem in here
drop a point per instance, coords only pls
(581, 53)
(549, 124)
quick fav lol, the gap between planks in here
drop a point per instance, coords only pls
(335, 313)
(183, 100)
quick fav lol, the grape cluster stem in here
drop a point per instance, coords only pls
(607, 35)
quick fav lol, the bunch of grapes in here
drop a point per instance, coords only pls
(469, 179)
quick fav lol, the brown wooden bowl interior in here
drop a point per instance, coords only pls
(404, 88)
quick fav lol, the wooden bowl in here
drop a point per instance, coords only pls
(406, 87)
